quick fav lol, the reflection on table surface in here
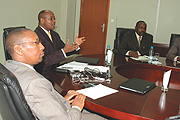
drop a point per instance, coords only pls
(126, 105)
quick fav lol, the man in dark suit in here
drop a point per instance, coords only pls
(55, 49)
(174, 52)
(136, 42)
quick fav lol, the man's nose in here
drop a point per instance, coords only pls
(41, 46)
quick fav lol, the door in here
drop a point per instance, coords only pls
(93, 25)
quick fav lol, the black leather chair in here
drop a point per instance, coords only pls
(13, 105)
(173, 38)
(5, 33)
(119, 35)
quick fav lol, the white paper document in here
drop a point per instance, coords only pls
(166, 78)
(141, 58)
(97, 91)
(80, 66)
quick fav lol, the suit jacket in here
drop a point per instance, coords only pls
(43, 99)
(129, 42)
(53, 54)
(39, 93)
(174, 50)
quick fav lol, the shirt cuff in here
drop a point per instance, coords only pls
(138, 53)
(63, 53)
(127, 53)
(76, 107)
(175, 59)
(77, 48)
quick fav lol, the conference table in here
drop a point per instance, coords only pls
(127, 105)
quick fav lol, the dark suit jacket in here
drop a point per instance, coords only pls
(174, 50)
(129, 42)
(53, 54)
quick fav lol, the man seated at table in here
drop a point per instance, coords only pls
(136, 42)
(55, 49)
(174, 51)
(45, 102)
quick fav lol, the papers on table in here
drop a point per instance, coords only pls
(97, 91)
(145, 59)
(72, 66)
(141, 58)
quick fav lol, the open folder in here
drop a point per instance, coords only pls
(137, 85)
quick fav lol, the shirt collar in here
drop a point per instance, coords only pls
(138, 36)
(27, 65)
(45, 30)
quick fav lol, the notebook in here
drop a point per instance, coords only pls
(87, 60)
(137, 85)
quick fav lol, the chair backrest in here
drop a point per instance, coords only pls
(173, 38)
(13, 105)
(5, 33)
(119, 35)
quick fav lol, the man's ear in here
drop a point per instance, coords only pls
(42, 20)
(18, 49)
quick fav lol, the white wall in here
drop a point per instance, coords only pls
(161, 17)
(24, 12)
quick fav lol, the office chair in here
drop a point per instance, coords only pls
(13, 105)
(173, 38)
(119, 35)
(5, 33)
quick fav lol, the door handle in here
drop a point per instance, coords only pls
(103, 27)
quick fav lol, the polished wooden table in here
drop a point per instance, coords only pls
(126, 105)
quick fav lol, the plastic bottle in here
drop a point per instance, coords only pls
(106, 56)
(151, 51)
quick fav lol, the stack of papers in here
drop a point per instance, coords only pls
(73, 66)
(141, 58)
(97, 91)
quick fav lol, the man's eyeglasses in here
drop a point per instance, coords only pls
(51, 19)
(35, 42)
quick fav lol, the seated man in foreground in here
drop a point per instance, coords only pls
(174, 52)
(136, 42)
(45, 102)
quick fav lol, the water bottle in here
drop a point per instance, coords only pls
(106, 55)
(151, 55)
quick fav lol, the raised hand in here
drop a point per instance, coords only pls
(78, 41)
(68, 48)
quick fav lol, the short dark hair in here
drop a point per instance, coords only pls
(41, 14)
(13, 38)
(141, 21)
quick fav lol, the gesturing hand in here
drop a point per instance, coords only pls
(79, 41)
(68, 48)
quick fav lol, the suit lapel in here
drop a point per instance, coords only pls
(45, 35)
(135, 40)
